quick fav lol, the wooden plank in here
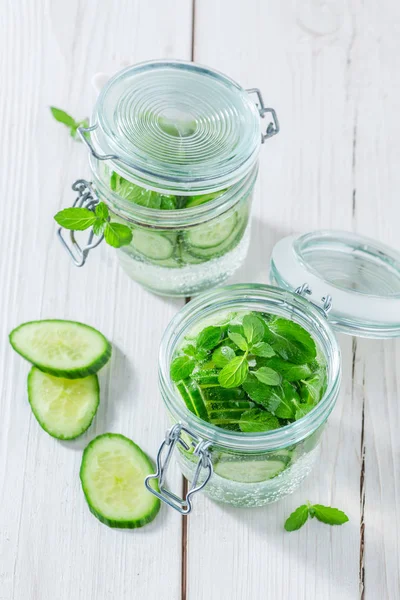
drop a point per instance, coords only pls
(376, 84)
(50, 545)
(298, 56)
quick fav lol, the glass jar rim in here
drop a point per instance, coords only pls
(286, 304)
(127, 126)
(170, 219)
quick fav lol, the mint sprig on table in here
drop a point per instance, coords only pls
(79, 219)
(63, 117)
(254, 373)
(325, 514)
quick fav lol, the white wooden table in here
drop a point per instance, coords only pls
(331, 71)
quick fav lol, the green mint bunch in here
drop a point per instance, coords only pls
(79, 219)
(325, 514)
(62, 117)
(254, 374)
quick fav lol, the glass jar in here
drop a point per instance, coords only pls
(246, 469)
(174, 154)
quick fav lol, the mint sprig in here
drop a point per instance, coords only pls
(325, 514)
(63, 117)
(79, 219)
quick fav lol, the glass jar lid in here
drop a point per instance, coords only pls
(361, 276)
(177, 125)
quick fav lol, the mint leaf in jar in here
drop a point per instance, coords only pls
(181, 368)
(78, 219)
(289, 371)
(291, 341)
(117, 235)
(222, 356)
(239, 340)
(209, 338)
(234, 373)
(257, 419)
(268, 376)
(262, 349)
(253, 329)
(312, 389)
(286, 409)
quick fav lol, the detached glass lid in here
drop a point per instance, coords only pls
(361, 276)
(177, 125)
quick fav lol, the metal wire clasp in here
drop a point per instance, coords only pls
(87, 198)
(273, 126)
(305, 290)
(172, 438)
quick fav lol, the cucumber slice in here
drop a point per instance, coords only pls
(151, 244)
(207, 379)
(190, 259)
(193, 397)
(112, 474)
(64, 408)
(62, 348)
(250, 471)
(215, 251)
(211, 234)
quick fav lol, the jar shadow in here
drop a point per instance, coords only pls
(263, 237)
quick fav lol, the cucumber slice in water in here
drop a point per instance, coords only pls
(151, 244)
(62, 348)
(193, 397)
(211, 234)
(112, 474)
(251, 471)
(64, 408)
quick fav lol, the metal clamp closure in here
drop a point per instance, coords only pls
(305, 290)
(87, 198)
(172, 439)
(273, 126)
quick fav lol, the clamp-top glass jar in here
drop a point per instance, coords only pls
(327, 281)
(174, 152)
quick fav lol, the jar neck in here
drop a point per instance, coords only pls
(251, 297)
(165, 219)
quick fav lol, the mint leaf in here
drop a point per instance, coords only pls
(234, 373)
(222, 356)
(290, 341)
(257, 419)
(238, 340)
(98, 226)
(289, 371)
(302, 411)
(168, 202)
(101, 211)
(181, 368)
(297, 519)
(209, 337)
(262, 349)
(190, 350)
(286, 409)
(312, 389)
(268, 396)
(329, 515)
(268, 376)
(253, 329)
(62, 117)
(75, 218)
(117, 235)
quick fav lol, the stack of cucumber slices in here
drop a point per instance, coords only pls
(64, 394)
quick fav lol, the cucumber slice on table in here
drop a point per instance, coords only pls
(63, 407)
(152, 244)
(211, 234)
(112, 474)
(62, 348)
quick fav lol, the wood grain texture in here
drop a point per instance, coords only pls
(330, 70)
(50, 545)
